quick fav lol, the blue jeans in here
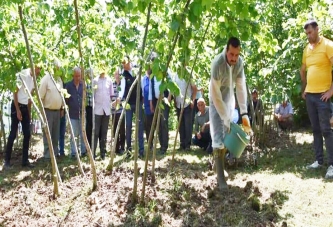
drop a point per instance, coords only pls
(129, 121)
(62, 133)
(77, 130)
(319, 114)
(185, 128)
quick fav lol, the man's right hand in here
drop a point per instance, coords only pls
(19, 114)
(304, 95)
(152, 109)
(199, 135)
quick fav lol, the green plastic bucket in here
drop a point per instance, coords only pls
(236, 140)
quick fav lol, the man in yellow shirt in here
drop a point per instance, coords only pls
(317, 89)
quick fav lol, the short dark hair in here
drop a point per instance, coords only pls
(233, 41)
(311, 22)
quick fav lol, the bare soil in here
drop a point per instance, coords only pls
(182, 195)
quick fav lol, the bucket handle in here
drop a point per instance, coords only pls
(241, 139)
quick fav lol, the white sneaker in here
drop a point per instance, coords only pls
(329, 174)
(314, 165)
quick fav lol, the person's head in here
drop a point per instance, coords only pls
(37, 70)
(56, 63)
(233, 50)
(90, 73)
(312, 31)
(254, 95)
(77, 74)
(201, 104)
(285, 102)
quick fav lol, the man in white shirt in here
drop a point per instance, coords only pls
(227, 71)
(102, 110)
(53, 107)
(189, 90)
(283, 115)
(20, 112)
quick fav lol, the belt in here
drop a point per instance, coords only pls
(51, 109)
(22, 105)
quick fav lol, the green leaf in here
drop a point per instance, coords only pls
(92, 2)
(173, 87)
(207, 3)
(174, 25)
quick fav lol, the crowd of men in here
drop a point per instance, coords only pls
(105, 97)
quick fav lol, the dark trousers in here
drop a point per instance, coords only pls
(62, 133)
(53, 121)
(89, 124)
(148, 123)
(101, 130)
(185, 127)
(120, 141)
(204, 141)
(163, 133)
(320, 114)
(13, 131)
(129, 120)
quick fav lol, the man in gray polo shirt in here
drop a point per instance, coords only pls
(202, 136)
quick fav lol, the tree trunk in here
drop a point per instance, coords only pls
(55, 177)
(110, 166)
(88, 149)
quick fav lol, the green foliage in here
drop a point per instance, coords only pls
(272, 41)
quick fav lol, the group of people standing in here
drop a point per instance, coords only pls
(211, 123)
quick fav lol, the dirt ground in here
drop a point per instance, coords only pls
(183, 194)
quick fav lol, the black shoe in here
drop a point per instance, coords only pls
(7, 166)
(28, 164)
(84, 154)
(102, 156)
(188, 149)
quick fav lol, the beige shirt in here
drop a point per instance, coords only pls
(22, 95)
(49, 93)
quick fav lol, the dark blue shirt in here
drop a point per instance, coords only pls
(74, 102)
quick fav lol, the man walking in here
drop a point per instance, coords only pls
(317, 90)
(227, 70)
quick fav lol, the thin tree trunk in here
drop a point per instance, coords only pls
(110, 166)
(157, 115)
(182, 107)
(83, 112)
(3, 136)
(155, 143)
(55, 177)
(137, 113)
(70, 124)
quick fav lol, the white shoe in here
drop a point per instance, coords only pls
(314, 165)
(329, 174)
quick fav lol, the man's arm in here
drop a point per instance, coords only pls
(328, 94)
(18, 111)
(303, 79)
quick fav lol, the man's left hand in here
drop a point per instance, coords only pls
(326, 96)
(246, 124)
